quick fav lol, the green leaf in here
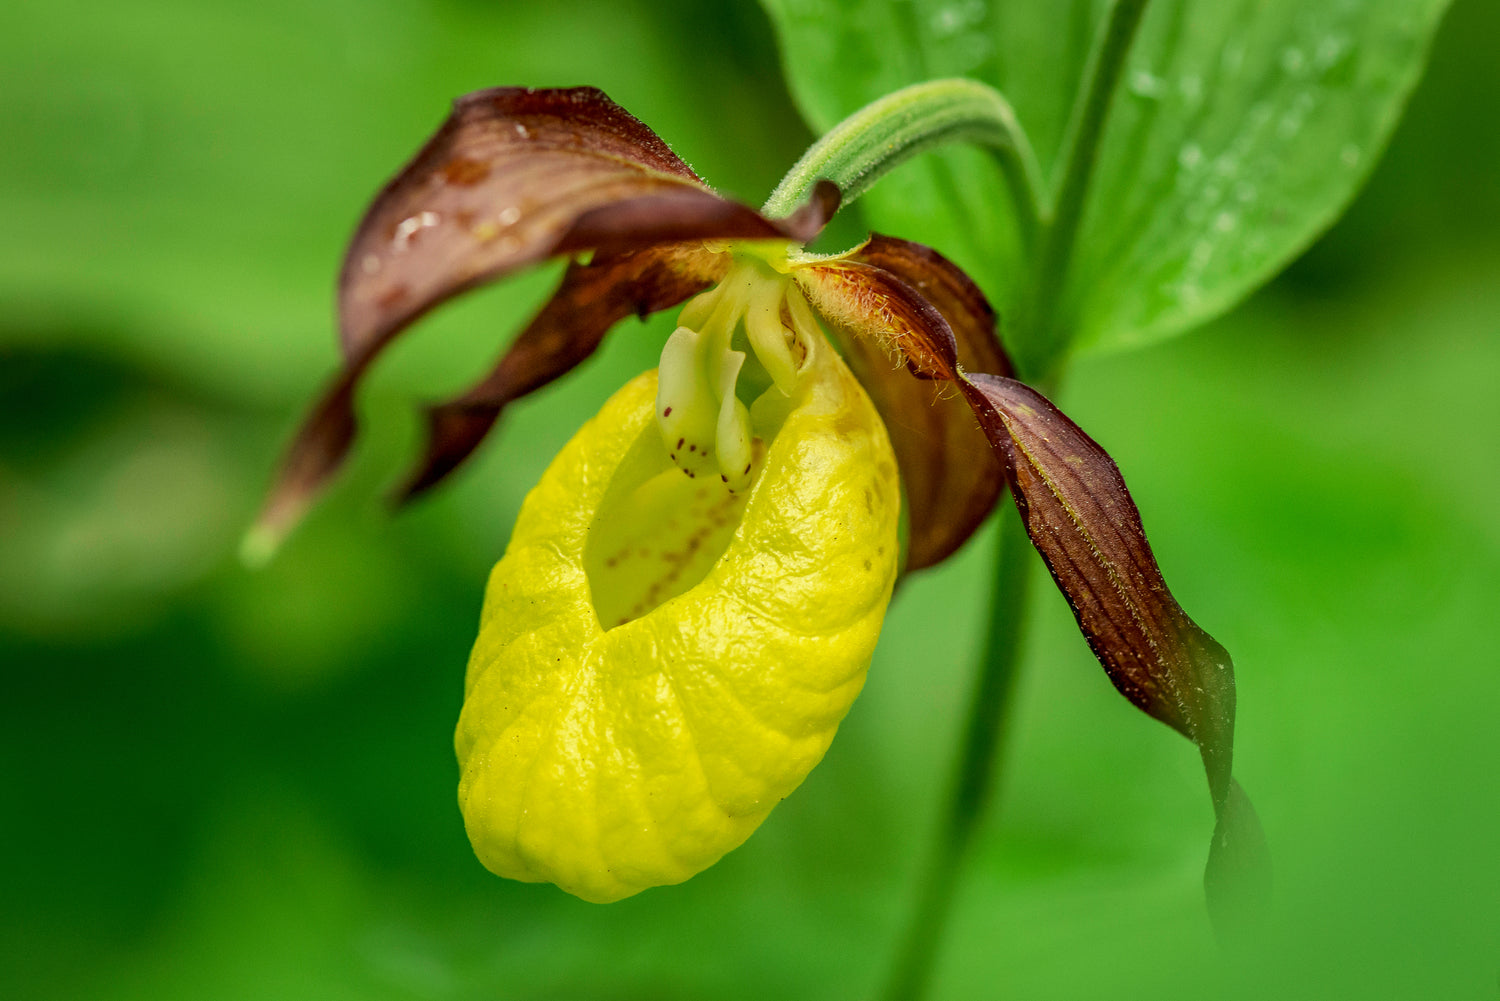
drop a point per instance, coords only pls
(1240, 130)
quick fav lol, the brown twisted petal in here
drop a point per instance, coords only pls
(512, 177)
(895, 298)
(591, 299)
(1082, 520)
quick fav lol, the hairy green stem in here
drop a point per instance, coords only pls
(858, 151)
(1080, 153)
(973, 785)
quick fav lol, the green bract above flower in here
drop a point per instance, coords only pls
(692, 593)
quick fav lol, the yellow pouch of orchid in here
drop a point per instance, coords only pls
(661, 659)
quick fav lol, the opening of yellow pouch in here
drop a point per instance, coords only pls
(657, 532)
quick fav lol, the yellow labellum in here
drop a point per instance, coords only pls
(737, 628)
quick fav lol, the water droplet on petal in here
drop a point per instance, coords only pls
(409, 227)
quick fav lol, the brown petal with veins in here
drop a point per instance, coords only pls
(591, 299)
(892, 302)
(1082, 520)
(512, 177)
(515, 176)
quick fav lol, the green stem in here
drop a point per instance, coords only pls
(1079, 156)
(858, 151)
(973, 786)
(979, 764)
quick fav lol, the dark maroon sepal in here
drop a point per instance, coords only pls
(1085, 525)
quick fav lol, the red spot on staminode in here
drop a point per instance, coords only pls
(667, 412)
(680, 441)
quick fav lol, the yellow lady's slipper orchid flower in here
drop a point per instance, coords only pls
(693, 592)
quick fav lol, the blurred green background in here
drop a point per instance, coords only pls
(224, 784)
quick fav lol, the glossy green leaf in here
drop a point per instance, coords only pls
(1238, 132)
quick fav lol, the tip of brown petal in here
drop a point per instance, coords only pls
(453, 432)
(263, 539)
(1238, 878)
(810, 218)
(827, 197)
(259, 545)
(421, 479)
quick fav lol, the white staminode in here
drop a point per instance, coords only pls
(706, 428)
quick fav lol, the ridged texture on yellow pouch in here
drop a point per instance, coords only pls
(611, 761)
